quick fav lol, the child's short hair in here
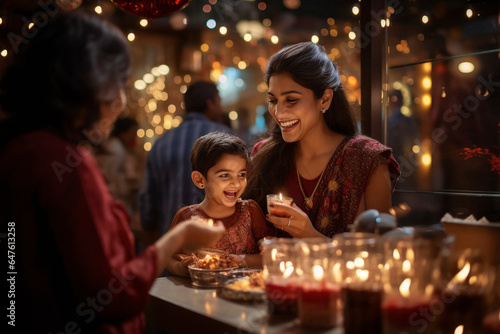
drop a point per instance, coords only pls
(208, 149)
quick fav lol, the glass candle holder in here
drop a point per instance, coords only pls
(361, 263)
(410, 275)
(281, 277)
(468, 283)
(280, 199)
(319, 289)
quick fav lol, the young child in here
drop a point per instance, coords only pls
(219, 163)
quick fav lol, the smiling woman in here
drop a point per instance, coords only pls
(313, 153)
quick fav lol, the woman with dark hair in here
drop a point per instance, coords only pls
(313, 153)
(74, 253)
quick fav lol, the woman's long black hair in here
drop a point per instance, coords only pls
(62, 75)
(309, 66)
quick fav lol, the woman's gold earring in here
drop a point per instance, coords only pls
(323, 110)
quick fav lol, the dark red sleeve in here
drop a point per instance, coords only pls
(93, 236)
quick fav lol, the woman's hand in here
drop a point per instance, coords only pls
(293, 220)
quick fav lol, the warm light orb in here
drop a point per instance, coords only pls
(274, 39)
(163, 69)
(147, 146)
(223, 30)
(131, 36)
(425, 19)
(98, 9)
(233, 115)
(426, 159)
(247, 37)
(352, 35)
(4, 53)
(140, 133)
(204, 47)
(314, 39)
(469, 13)
(427, 82)
(143, 23)
(355, 10)
(139, 85)
(466, 67)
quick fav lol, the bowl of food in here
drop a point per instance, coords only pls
(210, 267)
(246, 285)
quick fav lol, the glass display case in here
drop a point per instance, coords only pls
(442, 106)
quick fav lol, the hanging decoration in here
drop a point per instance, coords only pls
(151, 9)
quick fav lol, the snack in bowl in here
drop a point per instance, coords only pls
(245, 285)
(222, 261)
(211, 269)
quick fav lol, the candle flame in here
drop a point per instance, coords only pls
(396, 255)
(461, 275)
(281, 197)
(350, 265)
(406, 266)
(459, 329)
(288, 272)
(274, 252)
(210, 222)
(318, 272)
(404, 288)
(359, 262)
(362, 274)
(282, 266)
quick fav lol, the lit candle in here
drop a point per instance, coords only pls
(317, 301)
(402, 312)
(280, 199)
(282, 291)
(465, 302)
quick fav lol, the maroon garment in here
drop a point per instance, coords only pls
(75, 259)
(243, 228)
(337, 199)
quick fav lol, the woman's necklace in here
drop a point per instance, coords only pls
(308, 201)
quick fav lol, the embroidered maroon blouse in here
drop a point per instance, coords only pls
(243, 228)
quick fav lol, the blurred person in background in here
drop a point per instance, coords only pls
(77, 270)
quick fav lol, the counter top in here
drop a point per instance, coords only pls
(178, 307)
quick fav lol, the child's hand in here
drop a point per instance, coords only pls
(239, 259)
(181, 266)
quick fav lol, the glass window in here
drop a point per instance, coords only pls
(443, 106)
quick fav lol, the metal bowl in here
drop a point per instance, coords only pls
(227, 288)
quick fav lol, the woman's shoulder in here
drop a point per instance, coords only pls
(258, 146)
(365, 144)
